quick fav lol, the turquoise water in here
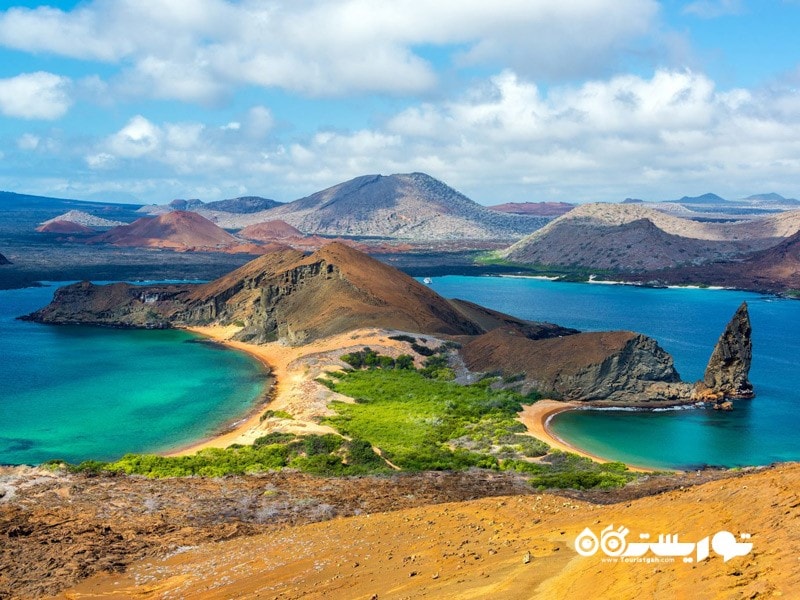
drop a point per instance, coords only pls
(79, 393)
(687, 323)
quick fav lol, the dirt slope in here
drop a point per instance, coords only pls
(512, 547)
(269, 231)
(637, 238)
(775, 269)
(64, 227)
(178, 230)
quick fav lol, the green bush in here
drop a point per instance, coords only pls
(403, 338)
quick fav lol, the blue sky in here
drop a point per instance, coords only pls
(575, 100)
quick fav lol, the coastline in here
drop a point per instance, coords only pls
(294, 370)
(244, 427)
(290, 381)
(536, 418)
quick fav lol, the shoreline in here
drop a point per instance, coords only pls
(232, 432)
(293, 388)
(537, 416)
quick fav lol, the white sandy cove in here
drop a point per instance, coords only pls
(296, 391)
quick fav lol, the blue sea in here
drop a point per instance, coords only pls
(687, 323)
(77, 393)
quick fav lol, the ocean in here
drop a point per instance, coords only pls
(78, 393)
(687, 323)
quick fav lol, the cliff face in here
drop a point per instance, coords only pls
(726, 375)
(615, 367)
(281, 296)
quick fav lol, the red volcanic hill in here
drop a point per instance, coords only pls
(269, 231)
(68, 227)
(177, 230)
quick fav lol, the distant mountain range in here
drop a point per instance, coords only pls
(635, 238)
(410, 206)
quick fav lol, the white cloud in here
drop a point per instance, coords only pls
(28, 141)
(37, 95)
(711, 9)
(656, 137)
(197, 50)
(137, 139)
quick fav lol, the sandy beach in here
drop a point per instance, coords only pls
(536, 418)
(294, 370)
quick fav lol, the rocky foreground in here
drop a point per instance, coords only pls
(436, 535)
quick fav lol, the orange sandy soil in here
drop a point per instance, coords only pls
(506, 547)
(295, 369)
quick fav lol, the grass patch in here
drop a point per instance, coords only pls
(275, 414)
(330, 455)
(427, 424)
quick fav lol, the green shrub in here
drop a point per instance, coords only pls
(422, 350)
(278, 414)
(403, 338)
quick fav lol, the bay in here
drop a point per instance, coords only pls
(687, 323)
(78, 393)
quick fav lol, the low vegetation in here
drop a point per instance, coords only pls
(423, 424)
(569, 273)
(317, 454)
(417, 418)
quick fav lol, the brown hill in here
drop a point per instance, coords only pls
(535, 209)
(775, 269)
(270, 231)
(68, 227)
(412, 206)
(290, 296)
(636, 238)
(282, 295)
(177, 230)
(632, 246)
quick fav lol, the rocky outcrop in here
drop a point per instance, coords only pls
(616, 367)
(114, 305)
(4, 260)
(284, 295)
(726, 376)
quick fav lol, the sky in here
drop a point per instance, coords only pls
(508, 101)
